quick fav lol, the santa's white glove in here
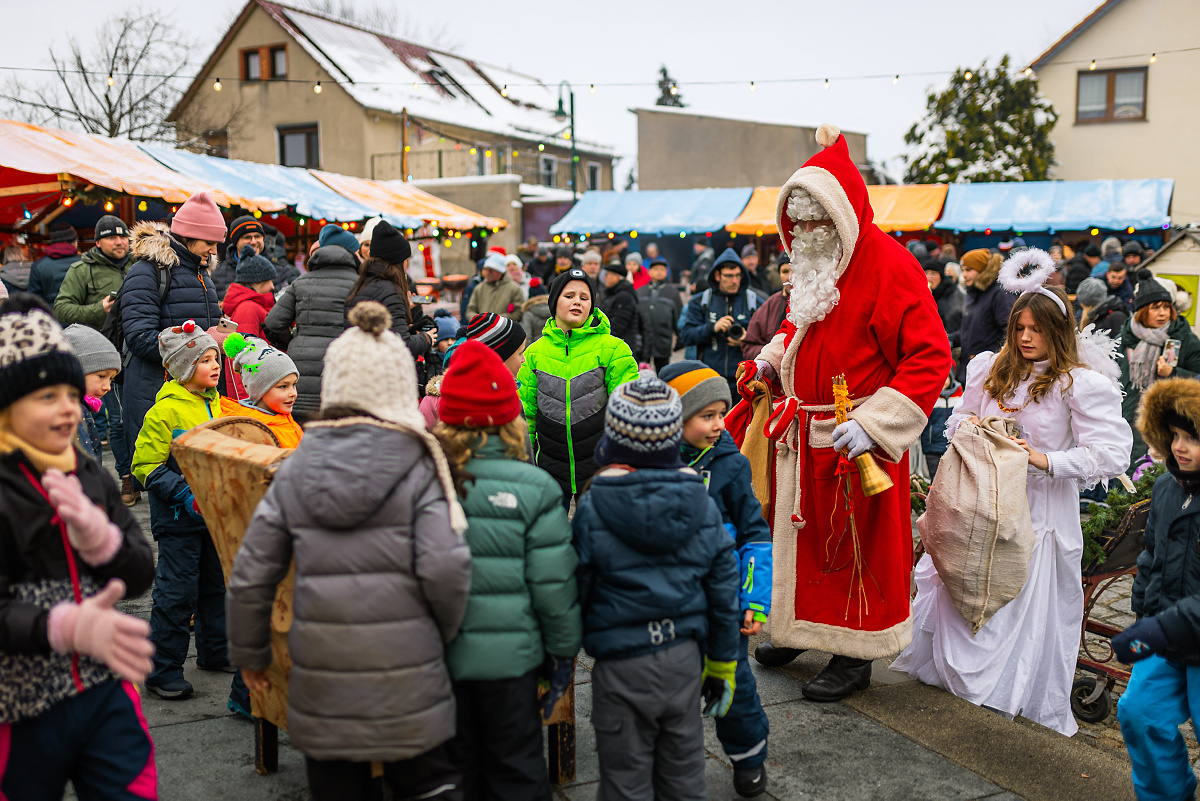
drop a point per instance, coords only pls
(765, 370)
(849, 436)
(93, 628)
(88, 527)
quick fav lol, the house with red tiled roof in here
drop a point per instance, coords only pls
(291, 86)
(1124, 83)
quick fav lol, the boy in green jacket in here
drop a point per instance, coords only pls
(523, 620)
(188, 578)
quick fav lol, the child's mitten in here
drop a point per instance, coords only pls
(716, 692)
(93, 628)
(88, 527)
(557, 673)
(1144, 638)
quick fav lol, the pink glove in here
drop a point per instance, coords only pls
(93, 628)
(88, 527)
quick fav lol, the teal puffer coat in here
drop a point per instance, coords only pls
(524, 603)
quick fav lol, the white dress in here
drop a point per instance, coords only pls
(1022, 661)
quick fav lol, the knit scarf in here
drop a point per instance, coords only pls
(41, 460)
(458, 518)
(1143, 360)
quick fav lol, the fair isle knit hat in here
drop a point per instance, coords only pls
(642, 425)
(33, 352)
(697, 384)
(181, 347)
(94, 351)
(259, 365)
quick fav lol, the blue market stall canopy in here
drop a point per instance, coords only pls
(1058, 205)
(287, 185)
(662, 211)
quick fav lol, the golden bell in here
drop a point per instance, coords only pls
(871, 475)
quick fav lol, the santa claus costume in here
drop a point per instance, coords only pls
(860, 307)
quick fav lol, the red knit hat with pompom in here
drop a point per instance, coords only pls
(478, 391)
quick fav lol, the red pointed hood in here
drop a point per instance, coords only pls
(832, 178)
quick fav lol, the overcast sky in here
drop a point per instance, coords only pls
(623, 41)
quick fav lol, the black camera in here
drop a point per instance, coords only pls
(735, 331)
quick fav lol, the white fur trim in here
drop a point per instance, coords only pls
(1099, 352)
(827, 134)
(1026, 271)
(806, 635)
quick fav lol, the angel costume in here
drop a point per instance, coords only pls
(1022, 661)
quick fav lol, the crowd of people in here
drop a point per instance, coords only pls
(470, 501)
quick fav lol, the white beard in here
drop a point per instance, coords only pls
(815, 258)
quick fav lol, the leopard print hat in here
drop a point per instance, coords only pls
(34, 354)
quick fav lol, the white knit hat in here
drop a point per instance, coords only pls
(369, 368)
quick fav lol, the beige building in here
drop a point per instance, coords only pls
(1129, 107)
(681, 149)
(302, 89)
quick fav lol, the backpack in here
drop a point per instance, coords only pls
(113, 329)
(692, 351)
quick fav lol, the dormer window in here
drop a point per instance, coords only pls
(269, 62)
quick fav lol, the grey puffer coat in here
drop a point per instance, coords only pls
(382, 582)
(316, 303)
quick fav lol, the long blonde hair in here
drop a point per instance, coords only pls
(460, 444)
(1058, 332)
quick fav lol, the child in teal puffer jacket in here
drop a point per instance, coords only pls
(522, 621)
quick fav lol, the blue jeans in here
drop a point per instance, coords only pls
(188, 580)
(743, 730)
(116, 430)
(1161, 696)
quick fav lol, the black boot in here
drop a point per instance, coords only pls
(750, 782)
(775, 656)
(841, 677)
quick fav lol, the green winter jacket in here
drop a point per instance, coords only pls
(564, 386)
(87, 282)
(1188, 366)
(524, 603)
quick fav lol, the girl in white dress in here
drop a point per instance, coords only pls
(1061, 390)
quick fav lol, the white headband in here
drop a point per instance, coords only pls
(1041, 290)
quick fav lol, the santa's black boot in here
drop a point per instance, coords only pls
(775, 656)
(841, 677)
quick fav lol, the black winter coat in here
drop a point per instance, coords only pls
(949, 300)
(316, 304)
(1110, 316)
(620, 306)
(656, 566)
(47, 274)
(984, 321)
(190, 296)
(225, 273)
(698, 327)
(381, 289)
(1167, 585)
(1075, 271)
(659, 305)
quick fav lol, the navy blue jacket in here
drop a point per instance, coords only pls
(713, 349)
(1124, 292)
(47, 274)
(726, 473)
(1167, 585)
(984, 319)
(190, 296)
(655, 566)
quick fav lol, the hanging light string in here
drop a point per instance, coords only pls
(742, 82)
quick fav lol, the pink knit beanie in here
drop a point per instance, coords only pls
(199, 218)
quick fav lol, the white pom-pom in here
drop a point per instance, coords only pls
(827, 134)
(1026, 271)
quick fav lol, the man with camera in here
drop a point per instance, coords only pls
(716, 318)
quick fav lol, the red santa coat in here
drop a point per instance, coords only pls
(831, 593)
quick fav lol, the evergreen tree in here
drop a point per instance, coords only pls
(987, 125)
(668, 91)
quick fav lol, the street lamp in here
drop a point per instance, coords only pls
(561, 115)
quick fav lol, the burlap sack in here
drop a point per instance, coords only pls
(976, 525)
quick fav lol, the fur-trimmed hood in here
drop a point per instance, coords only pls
(534, 301)
(1163, 400)
(988, 275)
(434, 386)
(152, 241)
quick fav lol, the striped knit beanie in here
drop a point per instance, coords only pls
(498, 333)
(642, 425)
(697, 384)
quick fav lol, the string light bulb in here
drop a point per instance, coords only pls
(515, 154)
(826, 83)
(1153, 57)
(504, 91)
(592, 88)
(68, 200)
(415, 87)
(752, 87)
(1028, 71)
(108, 205)
(110, 79)
(217, 85)
(1092, 66)
(541, 148)
(317, 88)
(487, 153)
(674, 89)
(473, 151)
(143, 206)
(25, 212)
(967, 75)
(895, 80)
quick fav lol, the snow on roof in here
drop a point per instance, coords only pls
(536, 193)
(393, 75)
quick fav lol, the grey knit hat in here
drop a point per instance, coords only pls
(1091, 292)
(253, 268)
(697, 384)
(94, 351)
(259, 365)
(642, 425)
(181, 347)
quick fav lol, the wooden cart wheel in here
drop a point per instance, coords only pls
(1087, 703)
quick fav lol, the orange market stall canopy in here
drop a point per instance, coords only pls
(38, 164)
(897, 208)
(405, 200)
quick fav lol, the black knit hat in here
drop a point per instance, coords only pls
(62, 232)
(1148, 291)
(1133, 246)
(389, 244)
(110, 225)
(253, 268)
(246, 224)
(33, 351)
(560, 282)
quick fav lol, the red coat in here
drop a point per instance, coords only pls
(248, 309)
(886, 337)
